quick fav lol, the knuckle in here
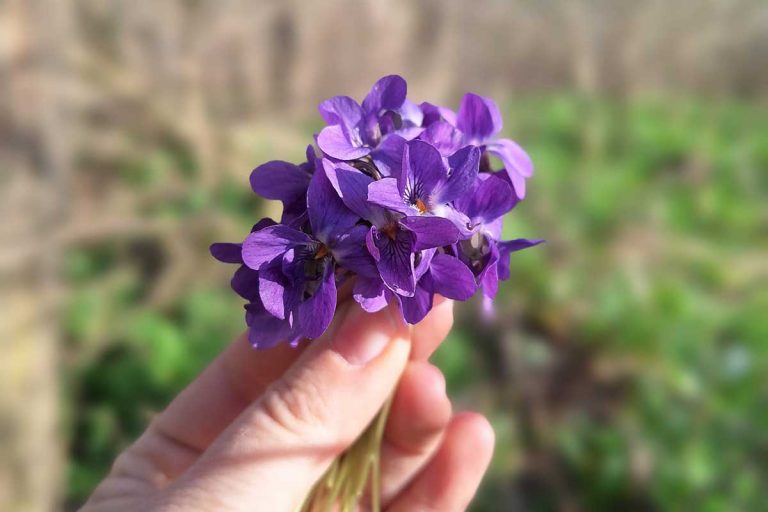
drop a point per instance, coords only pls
(125, 464)
(297, 407)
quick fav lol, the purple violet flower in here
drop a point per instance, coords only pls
(477, 123)
(479, 120)
(355, 131)
(482, 251)
(297, 271)
(402, 199)
(425, 184)
(395, 240)
(287, 183)
(264, 330)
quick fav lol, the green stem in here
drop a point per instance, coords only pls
(344, 484)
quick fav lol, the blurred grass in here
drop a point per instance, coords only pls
(626, 365)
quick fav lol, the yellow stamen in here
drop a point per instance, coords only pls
(390, 231)
(421, 206)
(322, 252)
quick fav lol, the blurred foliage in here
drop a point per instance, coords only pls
(625, 368)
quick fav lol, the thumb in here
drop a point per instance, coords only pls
(273, 453)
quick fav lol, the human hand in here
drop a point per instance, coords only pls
(256, 430)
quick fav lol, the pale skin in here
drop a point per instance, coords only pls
(257, 429)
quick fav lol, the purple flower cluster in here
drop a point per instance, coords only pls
(402, 197)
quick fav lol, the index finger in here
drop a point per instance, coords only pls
(236, 378)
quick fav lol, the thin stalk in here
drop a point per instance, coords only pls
(343, 485)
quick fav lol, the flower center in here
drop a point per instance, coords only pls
(421, 206)
(366, 166)
(485, 162)
(322, 252)
(390, 231)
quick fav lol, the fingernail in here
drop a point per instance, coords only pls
(364, 336)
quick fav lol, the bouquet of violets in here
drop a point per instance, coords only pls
(404, 200)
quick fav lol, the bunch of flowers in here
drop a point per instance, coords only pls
(401, 196)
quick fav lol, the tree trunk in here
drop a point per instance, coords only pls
(34, 167)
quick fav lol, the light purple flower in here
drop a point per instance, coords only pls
(245, 281)
(297, 271)
(479, 120)
(443, 274)
(287, 183)
(490, 198)
(402, 199)
(435, 272)
(355, 131)
(395, 240)
(425, 184)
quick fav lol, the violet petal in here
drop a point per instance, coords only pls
(451, 278)
(478, 118)
(316, 313)
(328, 215)
(269, 243)
(278, 180)
(369, 293)
(431, 231)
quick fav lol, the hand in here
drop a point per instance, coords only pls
(256, 430)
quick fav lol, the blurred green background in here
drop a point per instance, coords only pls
(626, 366)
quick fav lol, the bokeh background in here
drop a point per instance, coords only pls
(626, 366)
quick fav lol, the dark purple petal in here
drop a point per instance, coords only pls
(386, 94)
(464, 166)
(506, 248)
(334, 141)
(269, 243)
(370, 294)
(265, 331)
(479, 118)
(386, 193)
(227, 252)
(293, 261)
(516, 162)
(394, 259)
(451, 278)
(351, 253)
(489, 277)
(423, 170)
(295, 213)
(431, 231)
(328, 215)
(311, 158)
(491, 198)
(316, 313)
(415, 308)
(278, 180)
(341, 110)
(352, 187)
(388, 155)
(263, 223)
(245, 282)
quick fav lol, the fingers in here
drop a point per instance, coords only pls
(224, 389)
(281, 444)
(419, 415)
(451, 478)
(240, 374)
